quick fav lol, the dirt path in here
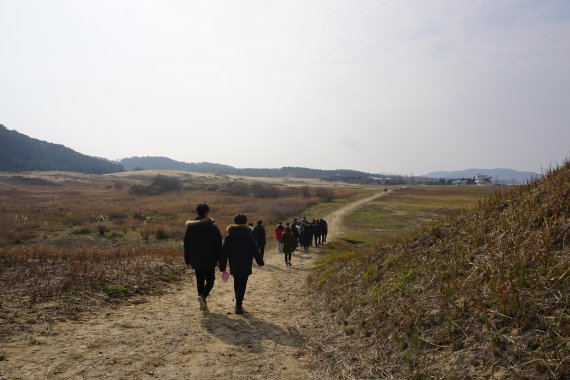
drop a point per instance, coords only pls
(169, 337)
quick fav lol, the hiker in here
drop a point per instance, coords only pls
(295, 231)
(259, 235)
(306, 236)
(288, 241)
(202, 251)
(324, 230)
(278, 234)
(317, 232)
(240, 249)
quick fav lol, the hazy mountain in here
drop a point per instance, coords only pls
(19, 152)
(500, 175)
(164, 163)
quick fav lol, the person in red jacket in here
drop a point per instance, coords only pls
(278, 235)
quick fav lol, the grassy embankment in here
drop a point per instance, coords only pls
(479, 293)
(72, 242)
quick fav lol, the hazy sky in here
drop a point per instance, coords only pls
(382, 86)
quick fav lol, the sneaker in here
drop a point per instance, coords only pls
(239, 310)
(289, 263)
(203, 304)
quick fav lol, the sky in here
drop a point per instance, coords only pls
(403, 87)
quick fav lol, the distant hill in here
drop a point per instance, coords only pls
(164, 163)
(19, 152)
(506, 176)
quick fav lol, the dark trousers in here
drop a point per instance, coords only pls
(287, 257)
(205, 281)
(240, 283)
(262, 250)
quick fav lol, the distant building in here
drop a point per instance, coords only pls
(481, 180)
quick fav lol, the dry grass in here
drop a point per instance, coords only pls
(479, 295)
(95, 207)
(70, 243)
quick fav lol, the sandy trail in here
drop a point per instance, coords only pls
(169, 337)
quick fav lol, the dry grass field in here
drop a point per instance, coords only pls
(72, 242)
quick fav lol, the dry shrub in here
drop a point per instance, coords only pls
(45, 284)
(145, 232)
(42, 272)
(255, 189)
(160, 184)
(161, 233)
(83, 230)
(324, 194)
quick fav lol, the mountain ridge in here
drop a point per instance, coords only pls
(19, 152)
(165, 163)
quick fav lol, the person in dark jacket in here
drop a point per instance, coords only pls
(240, 249)
(306, 236)
(295, 230)
(288, 244)
(324, 231)
(259, 235)
(202, 251)
(317, 232)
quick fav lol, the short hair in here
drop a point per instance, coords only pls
(240, 219)
(202, 209)
(260, 222)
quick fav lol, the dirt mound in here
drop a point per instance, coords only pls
(482, 294)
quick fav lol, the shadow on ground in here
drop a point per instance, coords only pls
(249, 332)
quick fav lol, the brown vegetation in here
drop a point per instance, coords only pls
(86, 241)
(484, 294)
(32, 212)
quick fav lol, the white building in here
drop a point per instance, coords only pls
(481, 179)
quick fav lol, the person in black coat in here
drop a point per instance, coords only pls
(240, 249)
(295, 230)
(259, 235)
(317, 232)
(324, 231)
(202, 251)
(306, 236)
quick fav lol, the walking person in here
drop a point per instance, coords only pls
(259, 235)
(306, 236)
(317, 233)
(278, 234)
(202, 251)
(295, 231)
(324, 230)
(288, 245)
(240, 249)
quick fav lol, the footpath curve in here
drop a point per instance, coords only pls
(335, 218)
(168, 337)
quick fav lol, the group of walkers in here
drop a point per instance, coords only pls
(204, 249)
(300, 233)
